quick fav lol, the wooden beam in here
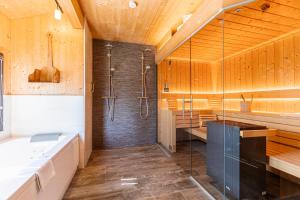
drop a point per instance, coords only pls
(72, 9)
(208, 10)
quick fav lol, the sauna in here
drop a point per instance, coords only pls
(241, 67)
(149, 99)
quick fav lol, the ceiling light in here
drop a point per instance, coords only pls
(132, 4)
(57, 11)
(57, 14)
(238, 10)
(186, 17)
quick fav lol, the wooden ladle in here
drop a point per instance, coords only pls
(48, 73)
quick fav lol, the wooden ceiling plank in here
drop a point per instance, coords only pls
(267, 17)
(219, 42)
(277, 9)
(256, 22)
(201, 36)
(228, 35)
(250, 29)
(244, 33)
(294, 4)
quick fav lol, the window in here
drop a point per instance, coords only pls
(1, 91)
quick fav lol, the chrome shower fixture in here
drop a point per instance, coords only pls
(111, 98)
(144, 99)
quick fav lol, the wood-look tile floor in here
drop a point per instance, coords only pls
(133, 173)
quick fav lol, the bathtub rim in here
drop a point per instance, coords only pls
(22, 181)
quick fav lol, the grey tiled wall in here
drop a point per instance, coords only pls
(127, 129)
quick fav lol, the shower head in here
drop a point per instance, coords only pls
(108, 46)
(148, 67)
(147, 50)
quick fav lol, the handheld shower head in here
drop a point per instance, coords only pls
(147, 68)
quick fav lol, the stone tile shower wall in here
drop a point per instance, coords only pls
(127, 129)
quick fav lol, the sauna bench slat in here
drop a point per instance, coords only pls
(202, 132)
(284, 158)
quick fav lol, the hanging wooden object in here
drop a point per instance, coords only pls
(49, 73)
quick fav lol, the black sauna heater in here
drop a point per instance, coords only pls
(236, 164)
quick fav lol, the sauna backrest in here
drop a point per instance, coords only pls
(286, 138)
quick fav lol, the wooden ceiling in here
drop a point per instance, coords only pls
(242, 30)
(146, 24)
(25, 8)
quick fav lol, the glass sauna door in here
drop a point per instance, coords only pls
(206, 97)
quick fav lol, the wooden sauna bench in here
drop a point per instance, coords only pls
(177, 119)
(282, 148)
(283, 151)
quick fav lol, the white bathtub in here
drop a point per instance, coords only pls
(20, 161)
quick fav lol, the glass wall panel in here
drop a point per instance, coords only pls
(206, 97)
(229, 103)
(261, 101)
(174, 105)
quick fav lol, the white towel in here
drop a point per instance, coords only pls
(45, 174)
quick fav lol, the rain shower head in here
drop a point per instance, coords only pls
(147, 50)
(108, 46)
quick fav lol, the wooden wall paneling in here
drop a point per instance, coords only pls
(5, 49)
(198, 76)
(163, 76)
(289, 61)
(243, 83)
(193, 76)
(262, 73)
(173, 75)
(237, 73)
(255, 68)
(297, 60)
(279, 72)
(232, 73)
(207, 78)
(270, 76)
(249, 71)
(186, 78)
(29, 51)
